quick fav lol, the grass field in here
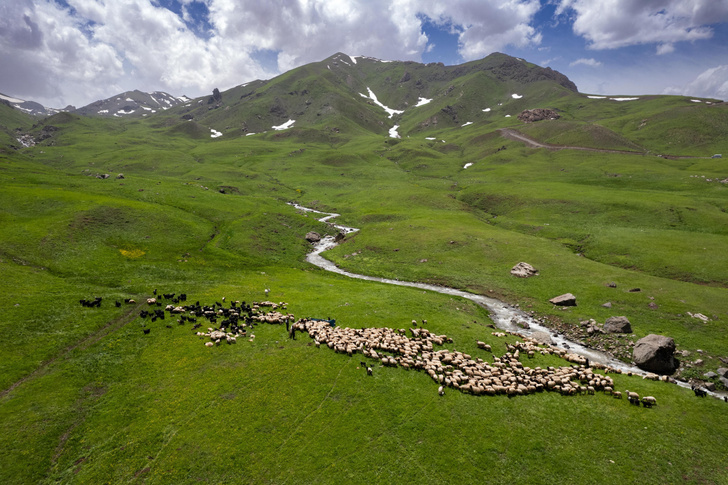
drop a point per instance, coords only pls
(87, 397)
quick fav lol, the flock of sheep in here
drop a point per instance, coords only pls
(505, 375)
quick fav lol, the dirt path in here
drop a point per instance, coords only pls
(113, 325)
(516, 135)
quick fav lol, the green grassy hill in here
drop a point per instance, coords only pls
(87, 397)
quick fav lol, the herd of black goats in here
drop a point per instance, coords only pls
(232, 318)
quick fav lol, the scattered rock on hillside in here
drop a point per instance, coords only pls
(566, 299)
(723, 372)
(710, 375)
(607, 304)
(699, 316)
(538, 114)
(655, 353)
(524, 270)
(313, 237)
(617, 325)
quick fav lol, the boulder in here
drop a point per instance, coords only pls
(723, 372)
(607, 304)
(564, 300)
(710, 375)
(542, 338)
(524, 270)
(655, 353)
(538, 114)
(313, 237)
(617, 325)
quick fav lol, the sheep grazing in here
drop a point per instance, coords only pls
(146, 331)
(649, 401)
(209, 344)
(617, 395)
(369, 371)
(441, 391)
(633, 397)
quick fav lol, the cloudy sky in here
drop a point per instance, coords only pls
(61, 52)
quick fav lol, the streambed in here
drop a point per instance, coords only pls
(501, 313)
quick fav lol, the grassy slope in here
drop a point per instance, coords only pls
(164, 409)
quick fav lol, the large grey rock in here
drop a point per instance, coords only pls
(617, 325)
(313, 237)
(524, 270)
(723, 372)
(542, 338)
(564, 300)
(655, 353)
(710, 375)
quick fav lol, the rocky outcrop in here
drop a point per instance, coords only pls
(313, 237)
(617, 325)
(524, 270)
(656, 353)
(538, 114)
(566, 299)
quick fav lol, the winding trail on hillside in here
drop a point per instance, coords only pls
(111, 326)
(516, 135)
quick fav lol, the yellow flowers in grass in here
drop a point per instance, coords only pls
(132, 253)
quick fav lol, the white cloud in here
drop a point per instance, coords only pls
(94, 49)
(665, 49)
(610, 24)
(711, 83)
(587, 62)
(485, 26)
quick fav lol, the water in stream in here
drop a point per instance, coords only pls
(502, 314)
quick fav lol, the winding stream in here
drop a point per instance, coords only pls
(502, 314)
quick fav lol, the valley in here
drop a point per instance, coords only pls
(197, 199)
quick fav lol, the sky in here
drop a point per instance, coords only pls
(61, 52)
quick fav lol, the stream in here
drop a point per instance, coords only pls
(503, 315)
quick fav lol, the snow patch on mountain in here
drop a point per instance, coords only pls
(284, 126)
(393, 132)
(422, 102)
(374, 99)
(516, 96)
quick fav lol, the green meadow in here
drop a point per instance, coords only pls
(87, 397)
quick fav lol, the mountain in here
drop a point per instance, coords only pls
(132, 104)
(362, 93)
(31, 107)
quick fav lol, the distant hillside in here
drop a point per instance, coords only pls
(132, 104)
(352, 93)
(31, 107)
